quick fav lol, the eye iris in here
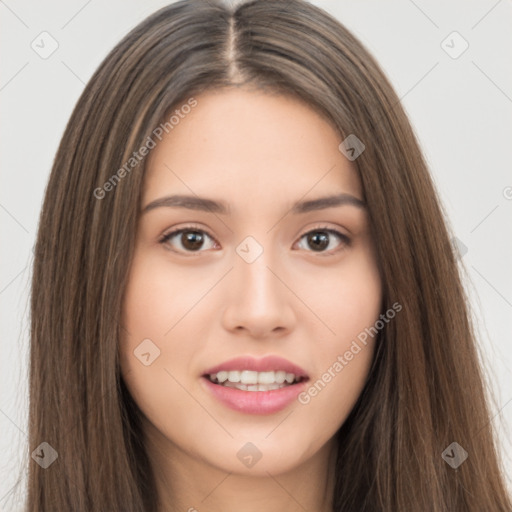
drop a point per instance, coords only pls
(318, 240)
(192, 240)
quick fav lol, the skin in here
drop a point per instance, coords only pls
(259, 153)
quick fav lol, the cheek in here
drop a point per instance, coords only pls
(152, 365)
(343, 357)
(347, 300)
(160, 299)
(155, 297)
(155, 302)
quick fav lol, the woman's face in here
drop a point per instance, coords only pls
(264, 285)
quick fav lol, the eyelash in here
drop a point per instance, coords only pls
(345, 240)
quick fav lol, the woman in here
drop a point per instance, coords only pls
(244, 291)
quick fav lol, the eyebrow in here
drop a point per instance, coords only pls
(212, 206)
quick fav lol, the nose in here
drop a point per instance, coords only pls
(258, 299)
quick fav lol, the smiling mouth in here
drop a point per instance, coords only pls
(248, 380)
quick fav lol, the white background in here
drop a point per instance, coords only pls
(460, 109)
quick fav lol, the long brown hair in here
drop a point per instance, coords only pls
(426, 388)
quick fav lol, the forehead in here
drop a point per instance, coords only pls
(249, 145)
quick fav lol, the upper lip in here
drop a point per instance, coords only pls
(264, 364)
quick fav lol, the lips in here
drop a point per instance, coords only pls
(255, 386)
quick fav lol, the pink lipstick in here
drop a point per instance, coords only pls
(255, 386)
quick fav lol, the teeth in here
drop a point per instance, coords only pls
(249, 380)
(266, 378)
(248, 377)
(253, 387)
(280, 377)
(222, 376)
(290, 377)
(234, 376)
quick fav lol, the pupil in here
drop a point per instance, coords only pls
(192, 240)
(313, 239)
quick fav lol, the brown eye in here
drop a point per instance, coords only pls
(191, 240)
(187, 240)
(319, 240)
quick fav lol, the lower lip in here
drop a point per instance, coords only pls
(255, 402)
